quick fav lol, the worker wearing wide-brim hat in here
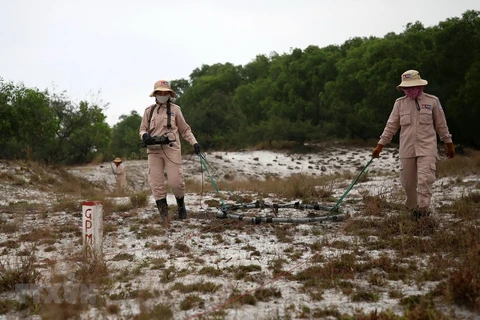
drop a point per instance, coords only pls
(160, 129)
(120, 175)
(420, 117)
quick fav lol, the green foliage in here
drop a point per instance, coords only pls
(333, 92)
(125, 138)
(27, 123)
(336, 92)
(35, 125)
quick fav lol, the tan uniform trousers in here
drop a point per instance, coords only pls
(121, 178)
(167, 160)
(417, 176)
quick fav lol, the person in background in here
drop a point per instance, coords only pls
(161, 125)
(420, 117)
(120, 175)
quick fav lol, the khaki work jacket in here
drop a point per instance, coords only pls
(158, 124)
(418, 124)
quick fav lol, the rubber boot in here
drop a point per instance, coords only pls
(163, 209)
(420, 213)
(182, 211)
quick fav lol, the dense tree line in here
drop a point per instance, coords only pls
(338, 92)
(334, 92)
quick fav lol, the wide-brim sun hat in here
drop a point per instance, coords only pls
(163, 85)
(117, 160)
(411, 78)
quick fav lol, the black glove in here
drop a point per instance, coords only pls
(196, 146)
(147, 139)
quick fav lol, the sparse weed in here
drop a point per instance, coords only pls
(139, 200)
(201, 286)
(191, 301)
(23, 271)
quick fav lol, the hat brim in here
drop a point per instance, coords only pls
(412, 83)
(172, 93)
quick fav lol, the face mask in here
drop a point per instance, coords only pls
(162, 99)
(413, 92)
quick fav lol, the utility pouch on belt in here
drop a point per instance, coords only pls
(158, 142)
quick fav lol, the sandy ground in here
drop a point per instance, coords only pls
(239, 245)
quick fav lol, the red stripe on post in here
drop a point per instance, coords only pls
(91, 203)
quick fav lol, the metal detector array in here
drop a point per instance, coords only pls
(333, 215)
(225, 212)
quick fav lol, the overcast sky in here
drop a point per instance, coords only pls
(120, 48)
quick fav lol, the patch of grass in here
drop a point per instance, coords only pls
(266, 294)
(241, 272)
(113, 309)
(8, 227)
(37, 235)
(158, 263)
(92, 270)
(276, 266)
(123, 256)
(13, 178)
(10, 244)
(149, 231)
(158, 312)
(7, 305)
(333, 271)
(168, 274)
(139, 200)
(463, 284)
(460, 165)
(201, 286)
(182, 247)
(467, 206)
(161, 246)
(62, 310)
(326, 313)
(284, 233)
(192, 301)
(23, 271)
(240, 299)
(210, 271)
(67, 205)
(365, 296)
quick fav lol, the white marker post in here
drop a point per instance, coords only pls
(92, 228)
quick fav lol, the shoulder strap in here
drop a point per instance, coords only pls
(150, 117)
(169, 114)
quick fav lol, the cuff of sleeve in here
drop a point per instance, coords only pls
(382, 142)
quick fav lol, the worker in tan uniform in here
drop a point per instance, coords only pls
(162, 123)
(420, 117)
(120, 175)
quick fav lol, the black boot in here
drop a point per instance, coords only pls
(163, 209)
(419, 213)
(182, 211)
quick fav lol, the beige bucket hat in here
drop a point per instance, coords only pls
(117, 160)
(411, 78)
(163, 85)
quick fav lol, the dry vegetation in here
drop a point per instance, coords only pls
(430, 268)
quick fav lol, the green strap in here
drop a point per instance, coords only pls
(211, 179)
(335, 208)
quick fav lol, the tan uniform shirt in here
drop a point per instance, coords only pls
(418, 128)
(158, 124)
